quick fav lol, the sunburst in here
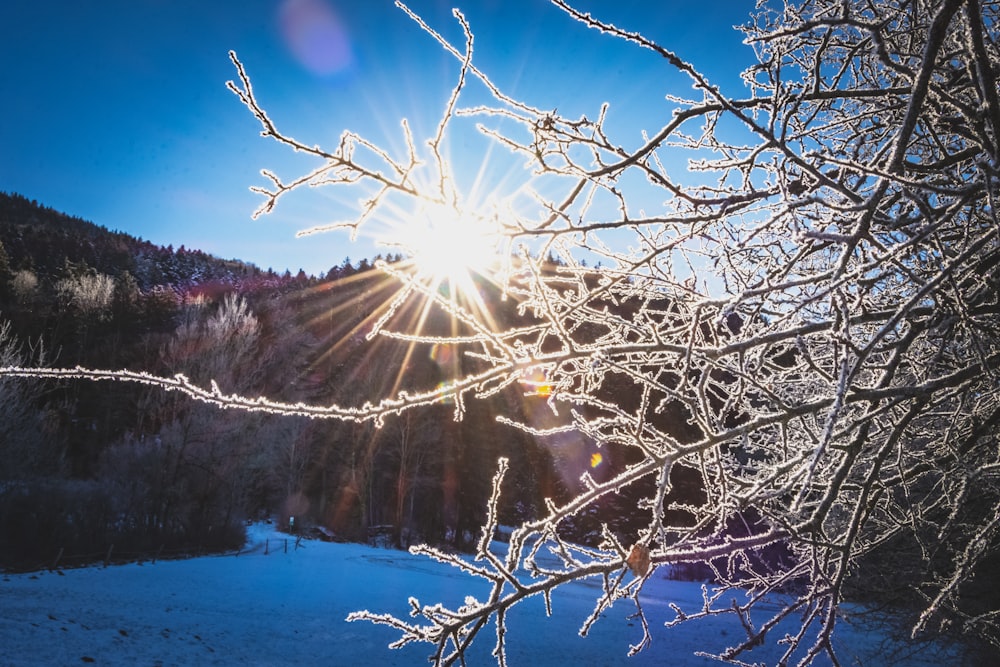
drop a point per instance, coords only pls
(448, 246)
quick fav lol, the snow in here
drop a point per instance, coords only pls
(278, 604)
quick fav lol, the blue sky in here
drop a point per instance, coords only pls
(117, 111)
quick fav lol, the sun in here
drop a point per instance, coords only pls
(448, 245)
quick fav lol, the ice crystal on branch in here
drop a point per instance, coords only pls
(797, 354)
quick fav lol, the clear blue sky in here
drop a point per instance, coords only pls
(117, 112)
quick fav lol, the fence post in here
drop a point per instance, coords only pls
(59, 556)
(157, 554)
(107, 558)
(297, 540)
(267, 546)
(286, 545)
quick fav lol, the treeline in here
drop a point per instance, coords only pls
(41, 244)
(85, 465)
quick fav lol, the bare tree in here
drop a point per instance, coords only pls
(820, 308)
(24, 285)
(411, 442)
(89, 294)
(810, 330)
(26, 449)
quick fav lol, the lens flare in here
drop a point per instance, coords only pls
(316, 36)
(446, 399)
(442, 354)
(536, 384)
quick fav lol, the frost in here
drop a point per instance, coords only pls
(803, 326)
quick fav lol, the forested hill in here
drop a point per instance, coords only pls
(85, 465)
(106, 463)
(46, 242)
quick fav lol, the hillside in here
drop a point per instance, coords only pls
(45, 241)
(96, 464)
(146, 470)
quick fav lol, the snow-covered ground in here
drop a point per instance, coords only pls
(288, 608)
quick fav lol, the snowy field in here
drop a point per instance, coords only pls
(288, 608)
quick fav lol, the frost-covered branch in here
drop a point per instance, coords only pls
(791, 347)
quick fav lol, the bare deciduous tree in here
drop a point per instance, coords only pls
(26, 449)
(88, 294)
(810, 330)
